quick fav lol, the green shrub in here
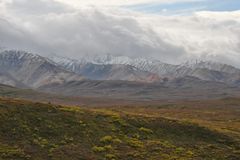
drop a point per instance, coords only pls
(106, 139)
(116, 140)
(12, 152)
(98, 149)
(179, 150)
(146, 130)
(190, 153)
(41, 142)
(110, 157)
(108, 147)
(133, 142)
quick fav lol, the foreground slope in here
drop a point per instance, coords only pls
(44, 131)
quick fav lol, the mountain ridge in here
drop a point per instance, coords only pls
(33, 70)
(204, 70)
(98, 71)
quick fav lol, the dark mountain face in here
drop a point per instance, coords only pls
(7, 79)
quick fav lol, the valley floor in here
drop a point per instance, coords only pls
(185, 130)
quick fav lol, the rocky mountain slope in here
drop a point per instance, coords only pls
(190, 80)
(204, 70)
(19, 68)
(105, 71)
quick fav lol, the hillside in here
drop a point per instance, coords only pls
(32, 95)
(45, 131)
(23, 69)
(180, 88)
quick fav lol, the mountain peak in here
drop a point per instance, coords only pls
(20, 55)
(32, 70)
(211, 65)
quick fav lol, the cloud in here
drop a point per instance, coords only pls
(63, 30)
(80, 3)
(36, 7)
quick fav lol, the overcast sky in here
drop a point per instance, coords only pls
(169, 30)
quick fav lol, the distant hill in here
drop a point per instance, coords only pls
(179, 88)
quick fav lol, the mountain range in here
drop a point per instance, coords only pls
(154, 70)
(118, 76)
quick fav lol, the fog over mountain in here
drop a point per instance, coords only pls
(76, 28)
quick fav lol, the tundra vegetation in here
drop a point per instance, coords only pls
(31, 130)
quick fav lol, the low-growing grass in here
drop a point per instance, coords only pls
(51, 132)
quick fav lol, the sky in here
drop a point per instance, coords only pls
(186, 7)
(172, 31)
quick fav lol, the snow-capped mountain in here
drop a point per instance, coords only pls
(163, 69)
(100, 69)
(140, 63)
(204, 70)
(64, 75)
(148, 65)
(20, 67)
(211, 65)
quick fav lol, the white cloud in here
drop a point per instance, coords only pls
(100, 30)
(79, 3)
